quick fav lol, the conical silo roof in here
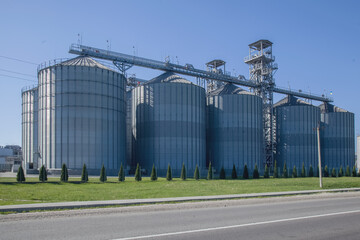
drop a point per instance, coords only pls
(229, 89)
(168, 77)
(290, 100)
(84, 61)
(328, 108)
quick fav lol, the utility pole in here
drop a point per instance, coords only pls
(319, 153)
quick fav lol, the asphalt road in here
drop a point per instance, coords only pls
(321, 216)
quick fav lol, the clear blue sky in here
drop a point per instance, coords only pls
(315, 42)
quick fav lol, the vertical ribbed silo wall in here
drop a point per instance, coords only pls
(337, 140)
(168, 125)
(234, 132)
(129, 136)
(30, 127)
(82, 118)
(296, 138)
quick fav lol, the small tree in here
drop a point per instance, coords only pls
(276, 174)
(43, 174)
(64, 173)
(84, 174)
(294, 172)
(222, 173)
(138, 173)
(354, 171)
(347, 173)
(285, 173)
(103, 177)
(311, 171)
(256, 172)
(197, 173)
(266, 172)
(233, 173)
(20, 176)
(121, 175)
(183, 172)
(245, 173)
(326, 171)
(210, 172)
(168, 173)
(303, 171)
(153, 175)
(333, 172)
(341, 172)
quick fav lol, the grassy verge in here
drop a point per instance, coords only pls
(32, 191)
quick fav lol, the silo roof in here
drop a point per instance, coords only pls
(327, 108)
(290, 100)
(229, 89)
(84, 61)
(168, 77)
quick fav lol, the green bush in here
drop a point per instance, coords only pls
(326, 171)
(311, 171)
(84, 174)
(138, 173)
(303, 171)
(103, 177)
(168, 173)
(233, 173)
(341, 172)
(285, 173)
(183, 172)
(43, 174)
(256, 172)
(210, 172)
(121, 175)
(347, 173)
(196, 173)
(294, 172)
(245, 173)
(222, 173)
(354, 171)
(266, 172)
(64, 173)
(276, 174)
(20, 176)
(333, 172)
(153, 176)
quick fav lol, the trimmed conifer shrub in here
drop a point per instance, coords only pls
(294, 172)
(285, 173)
(103, 176)
(197, 173)
(333, 172)
(210, 172)
(347, 173)
(168, 173)
(183, 172)
(121, 175)
(326, 171)
(43, 174)
(153, 176)
(64, 173)
(84, 174)
(245, 173)
(341, 172)
(222, 173)
(311, 171)
(256, 174)
(20, 176)
(275, 174)
(233, 173)
(138, 173)
(354, 171)
(303, 171)
(266, 172)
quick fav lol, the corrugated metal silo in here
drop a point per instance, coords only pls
(296, 138)
(129, 136)
(30, 127)
(337, 137)
(168, 124)
(234, 129)
(82, 116)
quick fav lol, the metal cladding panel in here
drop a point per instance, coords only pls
(30, 126)
(168, 125)
(296, 138)
(337, 140)
(129, 136)
(82, 117)
(234, 132)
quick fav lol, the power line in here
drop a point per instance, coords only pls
(29, 80)
(17, 73)
(16, 59)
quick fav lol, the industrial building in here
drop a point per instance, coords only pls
(85, 112)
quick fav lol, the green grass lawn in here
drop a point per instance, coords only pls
(32, 191)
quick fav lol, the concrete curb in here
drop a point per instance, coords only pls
(126, 202)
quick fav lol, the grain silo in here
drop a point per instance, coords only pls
(337, 137)
(129, 136)
(296, 138)
(234, 129)
(30, 127)
(82, 116)
(168, 124)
